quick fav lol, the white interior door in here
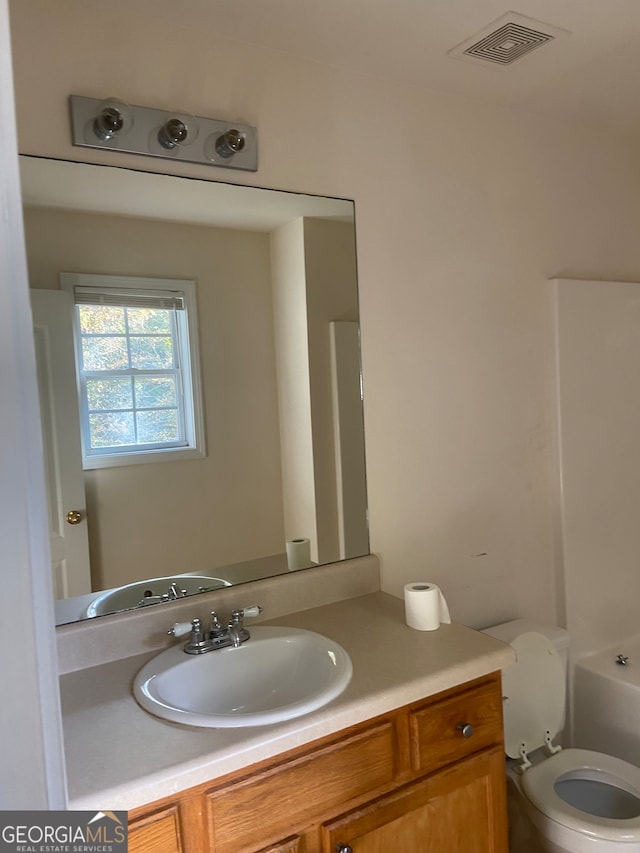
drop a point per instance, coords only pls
(53, 335)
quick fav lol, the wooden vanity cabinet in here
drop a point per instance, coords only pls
(454, 810)
(414, 780)
(289, 845)
(171, 826)
(159, 831)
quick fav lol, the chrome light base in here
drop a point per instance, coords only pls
(112, 124)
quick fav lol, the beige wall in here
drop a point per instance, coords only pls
(314, 282)
(458, 231)
(332, 294)
(170, 517)
(598, 357)
(294, 388)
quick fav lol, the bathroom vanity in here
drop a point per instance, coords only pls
(408, 780)
(409, 757)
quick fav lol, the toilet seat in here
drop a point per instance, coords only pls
(538, 786)
(534, 695)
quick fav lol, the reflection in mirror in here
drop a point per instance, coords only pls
(281, 484)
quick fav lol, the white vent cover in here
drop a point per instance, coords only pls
(506, 40)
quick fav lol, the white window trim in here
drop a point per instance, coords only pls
(191, 376)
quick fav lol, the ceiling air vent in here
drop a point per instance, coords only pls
(506, 40)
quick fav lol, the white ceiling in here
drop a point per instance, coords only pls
(123, 192)
(593, 75)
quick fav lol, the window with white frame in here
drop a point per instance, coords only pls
(138, 368)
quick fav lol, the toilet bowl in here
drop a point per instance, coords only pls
(576, 800)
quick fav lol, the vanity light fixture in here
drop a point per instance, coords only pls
(112, 124)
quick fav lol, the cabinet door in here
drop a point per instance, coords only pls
(288, 798)
(157, 832)
(289, 845)
(177, 827)
(461, 809)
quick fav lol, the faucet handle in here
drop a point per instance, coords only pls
(238, 616)
(237, 632)
(251, 611)
(179, 629)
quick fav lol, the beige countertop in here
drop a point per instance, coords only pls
(119, 756)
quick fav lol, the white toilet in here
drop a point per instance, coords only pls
(575, 800)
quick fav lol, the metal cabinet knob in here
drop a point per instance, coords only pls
(343, 848)
(74, 516)
(465, 729)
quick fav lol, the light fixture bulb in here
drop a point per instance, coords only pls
(221, 147)
(178, 130)
(114, 118)
(230, 143)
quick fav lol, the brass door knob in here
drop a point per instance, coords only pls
(74, 516)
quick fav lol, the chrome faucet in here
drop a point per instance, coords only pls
(237, 632)
(217, 636)
(173, 594)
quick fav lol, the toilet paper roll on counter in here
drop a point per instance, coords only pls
(425, 606)
(298, 554)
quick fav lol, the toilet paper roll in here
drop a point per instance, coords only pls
(298, 554)
(425, 607)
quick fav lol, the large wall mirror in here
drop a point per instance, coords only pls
(278, 481)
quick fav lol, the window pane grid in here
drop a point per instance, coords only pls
(138, 368)
(94, 335)
(133, 373)
(133, 409)
(132, 389)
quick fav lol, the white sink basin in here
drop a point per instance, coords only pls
(145, 593)
(278, 674)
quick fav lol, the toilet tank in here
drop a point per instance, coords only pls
(508, 631)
